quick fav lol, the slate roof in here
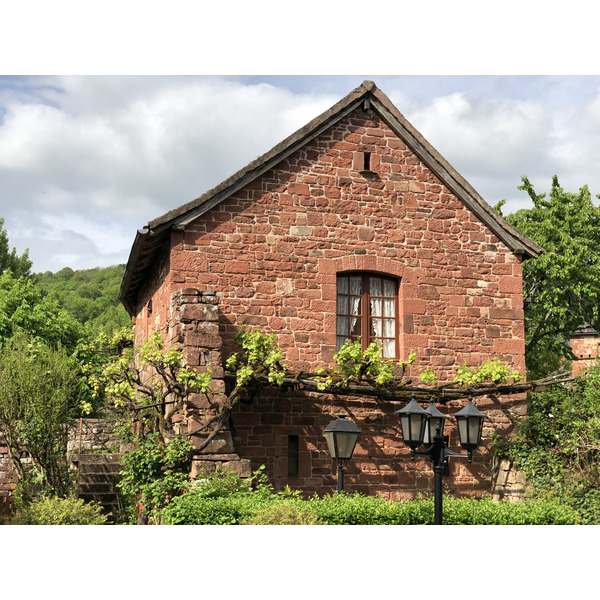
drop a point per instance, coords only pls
(149, 240)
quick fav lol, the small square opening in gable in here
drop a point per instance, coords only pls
(365, 161)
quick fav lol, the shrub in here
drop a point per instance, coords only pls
(155, 472)
(60, 511)
(366, 510)
(284, 513)
(194, 509)
(558, 445)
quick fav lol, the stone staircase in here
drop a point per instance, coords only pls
(97, 476)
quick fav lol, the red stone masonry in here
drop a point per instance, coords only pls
(586, 351)
(272, 252)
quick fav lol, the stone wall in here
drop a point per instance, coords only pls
(272, 252)
(85, 436)
(261, 429)
(194, 329)
(586, 352)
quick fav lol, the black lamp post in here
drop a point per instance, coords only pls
(427, 426)
(341, 436)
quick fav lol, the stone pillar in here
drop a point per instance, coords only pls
(194, 329)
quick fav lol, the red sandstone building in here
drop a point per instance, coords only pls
(352, 226)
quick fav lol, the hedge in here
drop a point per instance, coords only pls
(343, 509)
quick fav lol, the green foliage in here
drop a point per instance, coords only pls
(38, 399)
(283, 513)
(355, 366)
(60, 511)
(191, 509)
(492, 370)
(90, 295)
(223, 498)
(343, 509)
(23, 308)
(428, 376)
(562, 286)
(20, 266)
(148, 385)
(155, 472)
(260, 356)
(558, 445)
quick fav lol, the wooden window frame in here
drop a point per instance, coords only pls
(364, 314)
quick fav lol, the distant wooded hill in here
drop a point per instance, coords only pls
(90, 295)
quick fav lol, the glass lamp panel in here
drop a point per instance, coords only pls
(432, 425)
(345, 444)
(469, 432)
(329, 438)
(413, 426)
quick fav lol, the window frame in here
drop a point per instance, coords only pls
(365, 319)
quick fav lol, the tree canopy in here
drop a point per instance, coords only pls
(561, 288)
(89, 295)
(19, 265)
(23, 308)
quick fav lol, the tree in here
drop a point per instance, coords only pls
(19, 265)
(90, 295)
(38, 399)
(561, 288)
(557, 447)
(22, 308)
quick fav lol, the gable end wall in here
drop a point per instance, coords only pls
(272, 252)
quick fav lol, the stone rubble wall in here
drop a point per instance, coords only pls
(85, 436)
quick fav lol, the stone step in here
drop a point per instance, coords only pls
(95, 469)
(88, 459)
(97, 475)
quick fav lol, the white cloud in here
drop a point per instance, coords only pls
(85, 161)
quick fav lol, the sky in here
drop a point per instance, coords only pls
(112, 114)
(87, 160)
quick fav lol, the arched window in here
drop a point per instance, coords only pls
(367, 305)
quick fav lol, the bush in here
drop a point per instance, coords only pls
(261, 509)
(284, 513)
(60, 511)
(368, 510)
(558, 445)
(195, 509)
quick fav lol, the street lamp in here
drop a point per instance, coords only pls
(341, 436)
(427, 426)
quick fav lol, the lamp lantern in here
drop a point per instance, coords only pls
(470, 426)
(413, 421)
(435, 421)
(341, 436)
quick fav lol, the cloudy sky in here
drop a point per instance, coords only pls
(87, 160)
